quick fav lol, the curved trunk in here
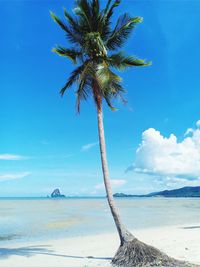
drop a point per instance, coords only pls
(124, 234)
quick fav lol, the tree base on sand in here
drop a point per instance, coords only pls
(135, 253)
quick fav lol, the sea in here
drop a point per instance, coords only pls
(31, 219)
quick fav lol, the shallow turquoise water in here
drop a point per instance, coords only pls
(39, 219)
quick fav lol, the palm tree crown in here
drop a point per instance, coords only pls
(93, 39)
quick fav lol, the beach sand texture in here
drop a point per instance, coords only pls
(181, 242)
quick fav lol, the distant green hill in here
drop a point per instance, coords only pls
(187, 191)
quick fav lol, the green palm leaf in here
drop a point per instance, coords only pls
(120, 61)
(73, 22)
(85, 80)
(83, 10)
(72, 54)
(106, 16)
(123, 28)
(70, 33)
(72, 78)
(109, 11)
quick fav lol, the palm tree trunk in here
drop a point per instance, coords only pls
(124, 234)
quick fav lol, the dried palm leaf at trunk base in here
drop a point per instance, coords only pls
(135, 253)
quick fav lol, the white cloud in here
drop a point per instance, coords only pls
(13, 176)
(165, 156)
(11, 157)
(88, 146)
(114, 183)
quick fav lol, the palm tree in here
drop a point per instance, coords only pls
(93, 40)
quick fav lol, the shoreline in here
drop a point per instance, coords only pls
(179, 241)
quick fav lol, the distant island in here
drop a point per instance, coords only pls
(187, 191)
(56, 194)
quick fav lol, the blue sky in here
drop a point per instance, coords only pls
(44, 144)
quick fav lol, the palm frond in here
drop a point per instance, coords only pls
(107, 7)
(111, 93)
(104, 27)
(106, 15)
(105, 76)
(72, 21)
(121, 61)
(115, 90)
(106, 79)
(72, 54)
(109, 84)
(81, 94)
(96, 19)
(71, 35)
(83, 10)
(108, 99)
(73, 78)
(85, 80)
(123, 28)
(95, 8)
(109, 11)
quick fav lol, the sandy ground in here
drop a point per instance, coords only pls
(181, 242)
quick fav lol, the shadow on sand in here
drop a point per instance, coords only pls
(191, 227)
(39, 250)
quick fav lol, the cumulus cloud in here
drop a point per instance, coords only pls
(13, 176)
(11, 157)
(88, 146)
(114, 183)
(166, 156)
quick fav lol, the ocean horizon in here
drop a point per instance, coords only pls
(53, 198)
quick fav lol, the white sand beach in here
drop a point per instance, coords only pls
(181, 242)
